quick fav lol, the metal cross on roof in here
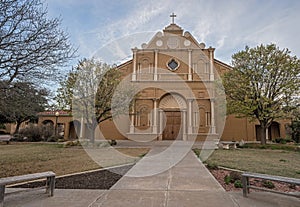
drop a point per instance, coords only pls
(173, 17)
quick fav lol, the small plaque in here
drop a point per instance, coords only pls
(173, 42)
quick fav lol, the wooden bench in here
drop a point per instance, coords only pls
(50, 182)
(5, 138)
(247, 186)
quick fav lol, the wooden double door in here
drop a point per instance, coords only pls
(173, 125)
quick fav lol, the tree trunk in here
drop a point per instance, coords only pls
(92, 139)
(263, 134)
(17, 127)
(92, 127)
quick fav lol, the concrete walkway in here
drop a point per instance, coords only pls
(188, 183)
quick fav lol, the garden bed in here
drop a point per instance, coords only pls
(220, 175)
(99, 179)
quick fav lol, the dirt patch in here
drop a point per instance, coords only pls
(102, 179)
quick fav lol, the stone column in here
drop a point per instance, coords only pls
(131, 128)
(134, 50)
(211, 64)
(81, 136)
(155, 65)
(161, 121)
(212, 114)
(155, 111)
(184, 125)
(67, 130)
(190, 76)
(190, 124)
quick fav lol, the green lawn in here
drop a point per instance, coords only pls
(24, 158)
(274, 162)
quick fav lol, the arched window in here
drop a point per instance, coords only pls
(143, 116)
(145, 66)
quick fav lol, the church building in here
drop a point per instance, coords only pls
(179, 98)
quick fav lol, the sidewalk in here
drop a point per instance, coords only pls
(188, 183)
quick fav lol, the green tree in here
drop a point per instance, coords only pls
(64, 95)
(262, 84)
(32, 46)
(295, 120)
(89, 90)
(21, 102)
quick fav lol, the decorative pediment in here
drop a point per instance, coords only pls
(172, 38)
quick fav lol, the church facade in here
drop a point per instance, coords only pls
(178, 98)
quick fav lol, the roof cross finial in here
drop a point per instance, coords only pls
(173, 17)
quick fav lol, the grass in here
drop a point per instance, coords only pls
(24, 158)
(288, 147)
(274, 162)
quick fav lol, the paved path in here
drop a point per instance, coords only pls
(188, 183)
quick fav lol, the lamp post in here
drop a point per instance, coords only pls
(56, 119)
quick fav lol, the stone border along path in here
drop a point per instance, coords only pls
(187, 184)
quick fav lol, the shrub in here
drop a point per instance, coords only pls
(84, 143)
(282, 160)
(232, 177)
(212, 166)
(47, 131)
(238, 184)
(68, 144)
(32, 133)
(61, 140)
(17, 138)
(142, 155)
(227, 179)
(268, 184)
(103, 144)
(283, 140)
(54, 138)
(113, 142)
(263, 147)
(295, 127)
(271, 146)
(71, 143)
(235, 176)
(2, 126)
(197, 152)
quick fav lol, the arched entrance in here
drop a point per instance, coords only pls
(172, 117)
(74, 129)
(48, 122)
(272, 133)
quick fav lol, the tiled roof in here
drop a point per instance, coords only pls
(52, 113)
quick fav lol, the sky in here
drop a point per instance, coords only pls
(110, 28)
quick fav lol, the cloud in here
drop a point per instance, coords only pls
(226, 25)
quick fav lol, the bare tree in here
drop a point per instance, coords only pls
(32, 47)
(91, 91)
